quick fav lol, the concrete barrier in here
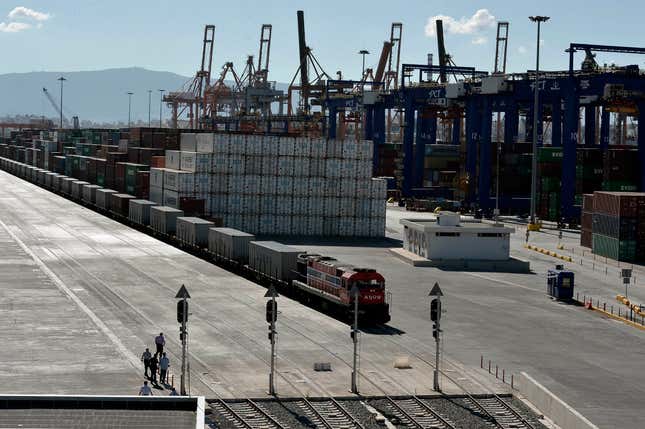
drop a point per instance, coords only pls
(551, 406)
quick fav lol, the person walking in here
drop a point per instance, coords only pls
(145, 358)
(160, 341)
(153, 369)
(145, 390)
(164, 363)
(173, 392)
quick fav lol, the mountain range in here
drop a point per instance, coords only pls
(99, 96)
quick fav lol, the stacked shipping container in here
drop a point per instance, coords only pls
(276, 185)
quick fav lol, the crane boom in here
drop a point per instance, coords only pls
(53, 103)
(443, 61)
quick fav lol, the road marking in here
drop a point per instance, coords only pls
(65, 289)
(501, 281)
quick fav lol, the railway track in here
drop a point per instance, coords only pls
(328, 413)
(245, 415)
(506, 417)
(415, 413)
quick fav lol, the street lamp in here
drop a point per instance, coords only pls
(532, 224)
(161, 91)
(61, 79)
(149, 105)
(129, 106)
(363, 52)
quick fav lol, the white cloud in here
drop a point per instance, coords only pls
(522, 50)
(480, 21)
(13, 27)
(25, 12)
(480, 40)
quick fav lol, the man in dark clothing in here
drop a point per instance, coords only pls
(160, 341)
(145, 358)
(153, 368)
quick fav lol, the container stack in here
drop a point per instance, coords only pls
(620, 170)
(586, 221)
(441, 165)
(618, 222)
(390, 161)
(589, 172)
(549, 172)
(275, 185)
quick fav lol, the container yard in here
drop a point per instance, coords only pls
(395, 250)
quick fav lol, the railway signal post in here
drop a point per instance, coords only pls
(435, 316)
(182, 317)
(355, 292)
(271, 316)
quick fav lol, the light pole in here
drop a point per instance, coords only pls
(532, 224)
(149, 105)
(182, 319)
(355, 293)
(271, 317)
(61, 79)
(161, 91)
(363, 52)
(129, 106)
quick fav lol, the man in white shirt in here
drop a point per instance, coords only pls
(145, 390)
(164, 363)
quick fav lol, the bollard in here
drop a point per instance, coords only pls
(481, 362)
(618, 311)
(593, 266)
(496, 371)
(512, 387)
(584, 299)
(503, 376)
(577, 297)
(604, 306)
(612, 309)
(605, 269)
(489, 366)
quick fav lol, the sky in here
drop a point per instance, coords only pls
(72, 35)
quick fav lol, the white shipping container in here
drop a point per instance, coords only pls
(364, 169)
(316, 186)
(156, 194)
(300, 205)
(350, 149)
(219, 164)
(347, 206)
(286, 146)
(164, 219)
(330, 225)
(284, 204)
(315, 206)
(196, 162)
(333, 168)
(377, 227)
(193, 230)
(203, 183)
(315, 225)
(363, 208)
(103, 197)
(285, 166)
(250, 222)
(230, 243)
(123, 145)
(346, 226)
(363, 188)
(251, 184)
(205, 143)
(269, 165)
(268, 184)
(299, 225)
(170, 198)
(365, 150)
(89, 193)
(219, 183)
(221, 144)
(378, 189)
(188, 142)
(235, 184)
(331, 206)
(273, 259)
(267, 204)
(236, 164)
(267, 224)
(317, 167)
(347, 188)
(156, 177)
(238, 144)
(332, 187)
(362, 227)
(173, 159)
(300, 166)
(379, 207)
(234, 203)
(348, 168)
(300, 186)
(318, 148)
(140, 211)
(251, 204)
(218, 203)
(180, 181)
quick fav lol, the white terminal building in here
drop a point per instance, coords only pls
(447, 238)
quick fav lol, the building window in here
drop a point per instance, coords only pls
(447, 234)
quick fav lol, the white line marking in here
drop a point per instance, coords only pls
(502, 281)
(63, 287)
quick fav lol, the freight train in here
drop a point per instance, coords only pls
(316, 280)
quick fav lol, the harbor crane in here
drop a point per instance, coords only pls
(54, 104)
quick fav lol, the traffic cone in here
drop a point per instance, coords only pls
(589, 305)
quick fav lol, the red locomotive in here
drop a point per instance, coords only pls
(332, 281)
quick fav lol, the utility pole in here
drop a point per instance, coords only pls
(161, 91)
(532, 222)
(149, 105)
(129, 106)
(435, 316)
(61, 79)
(271, 316)
(355, 292)
(182, 317)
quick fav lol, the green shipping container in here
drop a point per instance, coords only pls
(550, 184)
(131, 171)
(619, 186)
(550, 154)
(100, 179)
(613, 248)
